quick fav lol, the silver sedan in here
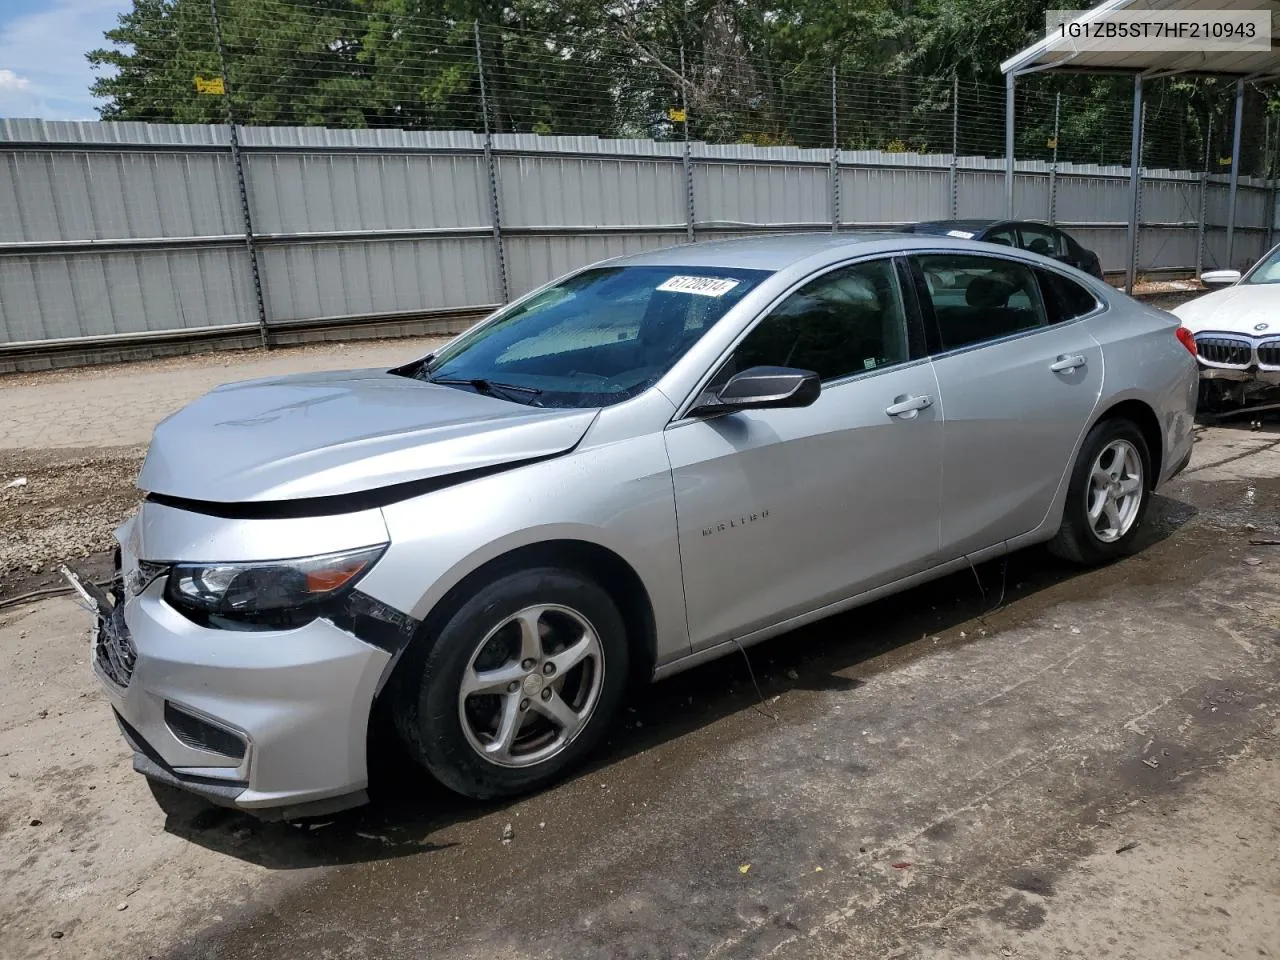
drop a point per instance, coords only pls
(634, 469)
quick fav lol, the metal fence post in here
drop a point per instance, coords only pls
(1009, 162)
(491, 168)
(835, 158)
(955, 145)
(688, 155)
(1053, 167)
(1271, 216)
(1234, 187)
(1204, 195)
(1270, 177)
(1135, 184)
(249, 245)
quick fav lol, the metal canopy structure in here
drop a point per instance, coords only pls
(1065, 55)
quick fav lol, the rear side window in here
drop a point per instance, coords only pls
(977, 298)
(1065, 299)
(1042, 240)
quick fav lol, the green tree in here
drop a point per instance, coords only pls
(753, 71)
(288, 62)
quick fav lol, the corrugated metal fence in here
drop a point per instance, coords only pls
(118, 229)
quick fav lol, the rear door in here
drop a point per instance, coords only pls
(1018, 380)
(783, 511)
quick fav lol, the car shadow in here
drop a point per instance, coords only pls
(407, 807)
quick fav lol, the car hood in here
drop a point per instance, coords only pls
(1237, 309)
(328, 434)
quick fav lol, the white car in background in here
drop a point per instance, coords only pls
(1237, 334)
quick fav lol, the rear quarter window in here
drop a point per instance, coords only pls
(1065, 299)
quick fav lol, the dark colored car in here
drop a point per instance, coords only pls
(1025, 234)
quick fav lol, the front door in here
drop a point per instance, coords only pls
(782, 511)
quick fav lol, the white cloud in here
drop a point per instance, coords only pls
(11, 81)
(43, 70)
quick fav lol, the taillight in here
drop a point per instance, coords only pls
(1188, 340)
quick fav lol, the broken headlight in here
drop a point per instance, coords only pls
(271, 594)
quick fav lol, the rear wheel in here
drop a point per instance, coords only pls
(521, 683)
(1108, 495)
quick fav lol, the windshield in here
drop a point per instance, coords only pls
(1266, 270)
(597, 338)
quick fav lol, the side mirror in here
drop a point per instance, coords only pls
(761, 388)
(1220, 278)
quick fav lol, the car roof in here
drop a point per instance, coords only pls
(959, 224)
(771, 252)
(776, 253)
(942, 226)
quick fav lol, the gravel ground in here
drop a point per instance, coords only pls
(65, 512)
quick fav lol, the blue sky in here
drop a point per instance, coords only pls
(43, 72)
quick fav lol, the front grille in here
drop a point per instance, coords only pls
(200, 734)
(1225, 351)
(1269, 353)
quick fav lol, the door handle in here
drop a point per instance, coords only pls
(1065, 364)
(907, 407)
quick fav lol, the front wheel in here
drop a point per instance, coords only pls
(1108, 495)
(521, 682)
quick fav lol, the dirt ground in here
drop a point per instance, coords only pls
(1037, 762)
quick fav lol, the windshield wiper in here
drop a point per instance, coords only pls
(491, 387)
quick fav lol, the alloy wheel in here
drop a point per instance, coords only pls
(531, 685)
(1115, 490)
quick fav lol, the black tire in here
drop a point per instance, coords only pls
(426, 706)
(1076, 540)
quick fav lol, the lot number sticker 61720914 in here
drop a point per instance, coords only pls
(703, 286)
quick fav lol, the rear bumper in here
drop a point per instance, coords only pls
(270, 722)
(1179, 465)
(1179, 417)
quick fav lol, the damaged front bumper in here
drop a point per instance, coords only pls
(1236, 370)
(1265, 379)
(271, 722)
(1224, 391)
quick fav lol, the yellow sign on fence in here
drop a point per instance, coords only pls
(1052, 143)
(676, 114)
(211, 85)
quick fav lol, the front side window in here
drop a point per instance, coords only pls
(596, 338)
(1266, 270)
(1001, 235)
(977, 298)
(848, 321)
